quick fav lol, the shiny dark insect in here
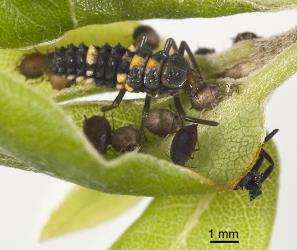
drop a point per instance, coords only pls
(162, 122)
(184, 144)
(97, 130)
(204, 51)
(58, 82)
(245, 36)
(125, 139)
(153, 39)
(33, 65)
(253, 180)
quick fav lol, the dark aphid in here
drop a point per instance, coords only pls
(33, 65)
(254, 179)
(204, 51)
(98, 131)
(125, 139)
(245, 36)
(153, 39)
(183, 144)
(59, 82)
(162, 122)
(207, 98)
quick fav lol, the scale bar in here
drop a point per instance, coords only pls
(224, 241)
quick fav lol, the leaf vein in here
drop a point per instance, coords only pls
(192, 221)
(72, 13)
(26, 17)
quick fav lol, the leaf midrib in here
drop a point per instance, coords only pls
(192, 221)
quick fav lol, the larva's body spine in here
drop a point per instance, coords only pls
(93, 64)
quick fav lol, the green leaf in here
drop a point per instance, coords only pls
(184, 222)
(252, 70)
(22, 25)
(93, 34)
(9, 161)
(84, 208)
(40, 135)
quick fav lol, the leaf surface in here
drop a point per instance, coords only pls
(184, 222)
(28, 22)
(38, 133)
(247, 74)
(83, 208)
(93, 34)
(47, 140)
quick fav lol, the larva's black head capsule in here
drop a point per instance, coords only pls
(153, 39)
(162, 122)
(245, 36)
(58, 82)
(98, 131)
(204, 51)
(183, 144)
(33, 65)
(124, 139)
(206, 98)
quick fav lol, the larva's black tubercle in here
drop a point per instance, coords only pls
(93, 63)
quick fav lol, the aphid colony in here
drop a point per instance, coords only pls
(161, 122)
(98, 131)
(138, 69)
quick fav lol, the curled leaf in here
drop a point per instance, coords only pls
(21, 25)
(184, 222)
(83, 208)
(46, 140)
(39, 134)
(229, 150)
(94, 34)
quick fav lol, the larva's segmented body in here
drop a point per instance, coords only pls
(139, 70)
(93, 63)
(126, 68)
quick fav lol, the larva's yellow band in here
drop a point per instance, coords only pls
(128, 88)
(120, 86)
(132, 48)
(136, 61)
(152, 63)
(121, 78)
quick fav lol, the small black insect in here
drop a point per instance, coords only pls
(183, 144)
(253, 180)
(153, 39)
(125, 139)
(33, 65)
(98, 131)
(245, 36)
(162, 122)
(58, 82)
(204, 51)
(207, 98)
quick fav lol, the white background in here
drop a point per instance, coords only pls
(27, 198)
